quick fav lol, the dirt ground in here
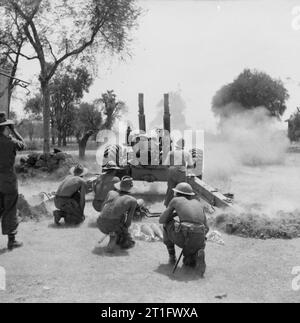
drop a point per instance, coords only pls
(69, 265)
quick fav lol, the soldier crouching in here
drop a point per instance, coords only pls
(117, 215)
(190, 233)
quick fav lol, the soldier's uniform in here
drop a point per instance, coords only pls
(68, 197)
(190, 232)
(105, 183)
(178, 160)
(117, 214)
(9, 184)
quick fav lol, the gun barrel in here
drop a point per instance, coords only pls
(142, 117)
(167, 115)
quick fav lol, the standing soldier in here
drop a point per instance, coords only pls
(9, 145)
(105, 183)
(179, 161)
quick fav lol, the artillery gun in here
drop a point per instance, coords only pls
(142, 156)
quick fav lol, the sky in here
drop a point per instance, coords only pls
(196, 47)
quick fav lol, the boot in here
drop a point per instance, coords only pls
(12, 243)
(112, 244)
(128, 244)
(172, 256)
(125, 241)
(57, 217)
(190, 261)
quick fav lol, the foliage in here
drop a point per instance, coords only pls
(66, 90)
(67, 30)
(252, 89)
(111, 108)
(88, 119)
(294, 126)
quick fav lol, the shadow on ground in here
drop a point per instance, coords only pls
(183, 273)
(101, 251)
(3, 251)
(63, 226)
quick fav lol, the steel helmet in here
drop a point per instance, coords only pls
(185, 189)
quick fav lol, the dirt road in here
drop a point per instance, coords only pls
(67, 265)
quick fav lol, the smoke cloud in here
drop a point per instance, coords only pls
(178, 108)
(248, 138)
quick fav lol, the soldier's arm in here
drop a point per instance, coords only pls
(205, 224)
(132, 205)
(168, 215)
(83, 191)
(18, 139)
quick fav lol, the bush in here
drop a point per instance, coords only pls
(283, 225)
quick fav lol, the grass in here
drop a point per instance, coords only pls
(284, 225)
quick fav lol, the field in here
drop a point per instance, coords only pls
(69, 265)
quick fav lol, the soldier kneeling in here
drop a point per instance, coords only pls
(188, 234)
(70, 197)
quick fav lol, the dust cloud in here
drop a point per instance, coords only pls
(250, 138)
(249, 157)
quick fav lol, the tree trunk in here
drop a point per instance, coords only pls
(59, 139)
(53, 138)
(64, 140)
(82, 145)
(9, 101)
(46, 115)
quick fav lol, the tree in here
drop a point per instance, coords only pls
(252, 89)
(89, 118)
(67, 88)
(61, 30)
(34, 106)
(12, 41)
(111, 108)
(88, 122)
(294, 126)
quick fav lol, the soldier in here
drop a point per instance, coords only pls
(9, 145)
(117, 214)
(70, 197)
(190, 232)
(105, 183)
(179, 161)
